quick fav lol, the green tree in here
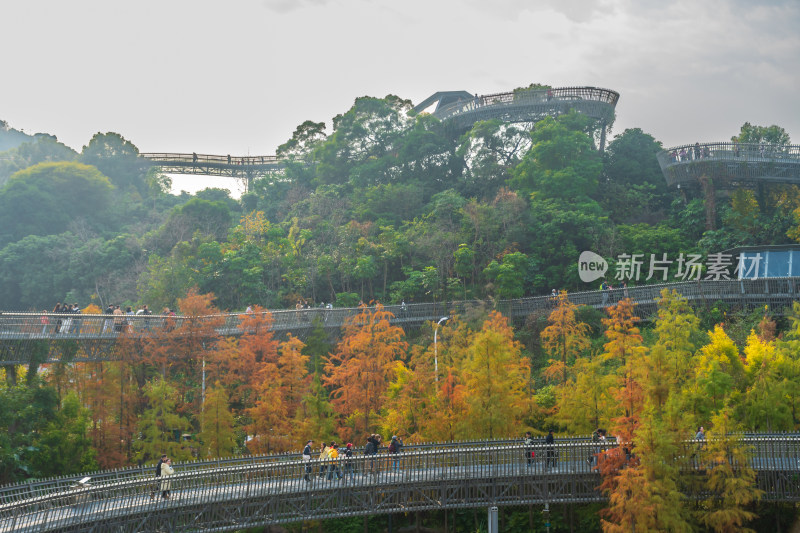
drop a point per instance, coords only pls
(117, 158)
(758, 134)
(64, 445)
(44, 200)
(25, 410)
(495, 381)
(562, 163)
(632, 185)
(508, 277)
(41, 149)
(217, 435)
(160, 425)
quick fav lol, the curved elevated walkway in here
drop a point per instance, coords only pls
(93, 337)
(460, 107)
(527, 105)
(259, 491)
(731, 165)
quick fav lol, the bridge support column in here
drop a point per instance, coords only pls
(11, 375)
(493, 527)
(710, 202)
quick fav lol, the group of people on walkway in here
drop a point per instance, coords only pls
(53, 322)
(337, 462)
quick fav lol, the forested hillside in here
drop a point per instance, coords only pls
(391, 206)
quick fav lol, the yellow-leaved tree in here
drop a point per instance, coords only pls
(564, 339)
(496, 376)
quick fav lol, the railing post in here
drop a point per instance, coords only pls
(493, 519)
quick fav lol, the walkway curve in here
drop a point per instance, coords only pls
(22, 335)
(274, 492)
(531, 105)
(730, 164)
(462, 110)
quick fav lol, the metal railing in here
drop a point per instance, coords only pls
(731, 161)
(207, 159)
(17, 329)
(282, 491)
(531, 97)
(35, 488)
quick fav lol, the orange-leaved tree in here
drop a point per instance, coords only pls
(564, 339)
(363, 364)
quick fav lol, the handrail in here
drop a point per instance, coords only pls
(527, 97)
(165, 157)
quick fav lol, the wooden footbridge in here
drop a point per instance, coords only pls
(52, 338)
(258, 491)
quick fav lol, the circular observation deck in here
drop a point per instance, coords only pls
(731, 164)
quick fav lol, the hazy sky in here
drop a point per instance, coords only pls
(238, 76)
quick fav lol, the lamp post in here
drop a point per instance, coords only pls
(436, 350)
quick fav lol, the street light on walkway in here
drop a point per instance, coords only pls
(435, 349)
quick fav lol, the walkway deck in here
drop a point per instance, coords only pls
(731, 165)
(271, 490)
(23, 334)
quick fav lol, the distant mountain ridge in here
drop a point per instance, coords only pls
(11, 138)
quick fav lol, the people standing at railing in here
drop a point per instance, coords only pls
(333, 457)
(76, 322)
(371, 450)
(307, 459)
(697, 151)
(57, 310)
(682, 155)
(108, 324)
(395, 447)
(323, 456)
(44, 320)
(604, 287)
(530, 454)
(144, 311)
(119, 319)
(349, 467)
(550, 453)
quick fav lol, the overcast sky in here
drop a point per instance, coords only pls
(238, 76)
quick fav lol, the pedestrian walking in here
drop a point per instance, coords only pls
(166, 484)
(158, 475)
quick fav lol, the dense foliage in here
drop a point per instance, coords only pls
(391, 207)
